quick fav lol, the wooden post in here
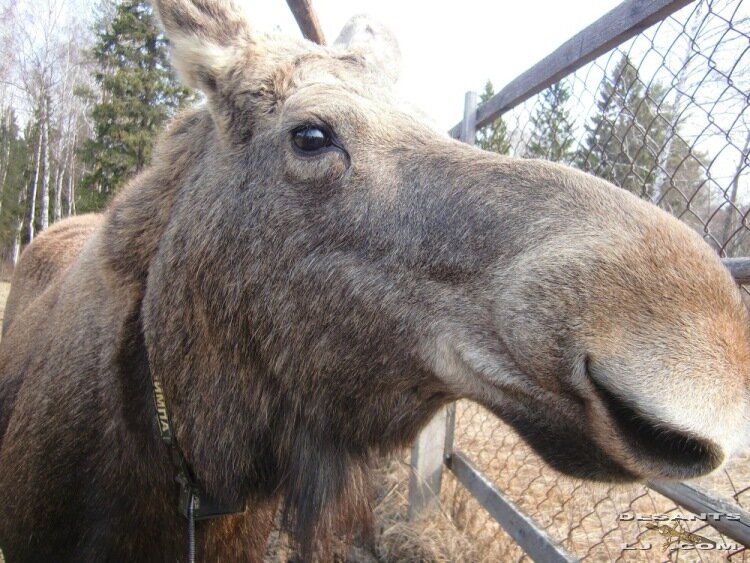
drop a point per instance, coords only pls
(469, 122)
(307, 20)
(435, 443)
(427, 467)
(450, 428)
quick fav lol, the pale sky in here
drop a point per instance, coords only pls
(454, 46)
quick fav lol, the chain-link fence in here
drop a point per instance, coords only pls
(664, 115)
(594, 522)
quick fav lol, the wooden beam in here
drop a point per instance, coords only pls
(739, 268)
(617, 26)
(307, 20)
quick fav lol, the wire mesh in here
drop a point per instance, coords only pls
(665, 116)
(595, 522)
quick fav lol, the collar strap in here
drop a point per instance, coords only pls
(192, 496)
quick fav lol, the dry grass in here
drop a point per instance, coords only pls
(436, 538)
(6, 271)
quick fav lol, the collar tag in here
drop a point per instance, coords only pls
(162, 416)
(203, 506)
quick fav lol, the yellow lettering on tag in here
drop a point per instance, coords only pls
(161, 408)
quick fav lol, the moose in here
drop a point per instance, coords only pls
(306, 273)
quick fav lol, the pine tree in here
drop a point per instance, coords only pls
(493, 137)
(553, 137)
(624, 139)
(139, 93)
(635, 142)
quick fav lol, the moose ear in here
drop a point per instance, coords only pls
(203, 35)
(375, 42)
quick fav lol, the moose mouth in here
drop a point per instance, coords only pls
(661, 449)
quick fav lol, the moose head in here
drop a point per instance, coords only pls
(313, 271)
(332, 252)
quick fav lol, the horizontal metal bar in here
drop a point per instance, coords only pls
(699, 500)
(617, 26)
(739, 268)
(532, 538)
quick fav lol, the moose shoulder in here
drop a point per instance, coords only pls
(310, 271)
(46, 258)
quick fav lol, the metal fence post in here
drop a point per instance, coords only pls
(435, 442)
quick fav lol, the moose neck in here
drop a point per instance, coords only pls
(263, 438)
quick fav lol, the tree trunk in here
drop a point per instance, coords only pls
(662, 174)
(57, 200)
(728, 249)
(33, 189)
(44, 202)
(17, 228)
(16, 249)
(6, 157)
(70, 165)
(71, 195)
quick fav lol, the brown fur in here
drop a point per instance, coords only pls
(47, 257)
(306, 310)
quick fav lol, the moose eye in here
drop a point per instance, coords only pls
(311, 139)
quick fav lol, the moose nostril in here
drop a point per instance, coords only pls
(684, 452)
